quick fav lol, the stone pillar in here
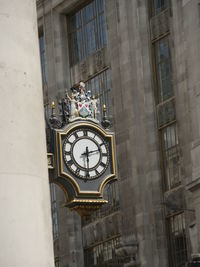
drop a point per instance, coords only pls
(25, 232)
(143, 232)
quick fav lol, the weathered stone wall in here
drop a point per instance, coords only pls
(128, 55)
(186, 58)
(135, 127)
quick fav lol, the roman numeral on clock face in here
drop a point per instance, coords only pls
(77, 172)
(103, 164)
(96, 172)
(70, 162)
(76, 135)
(87, 175)
(85, 133)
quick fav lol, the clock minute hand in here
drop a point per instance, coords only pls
(92, 151)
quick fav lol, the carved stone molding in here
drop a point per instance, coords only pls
(128, 248)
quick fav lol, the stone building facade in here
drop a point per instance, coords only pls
(142, 57)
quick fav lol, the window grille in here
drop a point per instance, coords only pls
(171, 158)
(157, 6)
(100, 86)
(43, 59)
(103, 255)
(87, 31)
(166, 112)
(163, 70)
(177, 240)
(54, 212)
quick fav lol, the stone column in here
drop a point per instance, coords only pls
(137, 147)
(25, 228)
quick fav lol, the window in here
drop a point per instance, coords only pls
(87, 31)
(163, 70)
(166, 114)
(158, 6)
(103, 254)
(100, 86)
(170, 151)
(43, 59)
(111, 193)
(177, 239)
(54, 213)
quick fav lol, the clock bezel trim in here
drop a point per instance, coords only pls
(65, 175)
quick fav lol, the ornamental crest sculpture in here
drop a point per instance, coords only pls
(82, 105)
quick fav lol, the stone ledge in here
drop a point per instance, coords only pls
(194, 185)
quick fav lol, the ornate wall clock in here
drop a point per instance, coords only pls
(85, 162)
(84, 152)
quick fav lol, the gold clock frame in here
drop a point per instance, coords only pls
(94, 196)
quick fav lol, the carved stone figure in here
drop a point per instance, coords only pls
(82, 96)
(94, 107)
(73, 110)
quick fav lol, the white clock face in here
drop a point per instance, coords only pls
(80, 154)
(86, 154)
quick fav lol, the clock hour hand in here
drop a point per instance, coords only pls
(87, 158)
(86, 152)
